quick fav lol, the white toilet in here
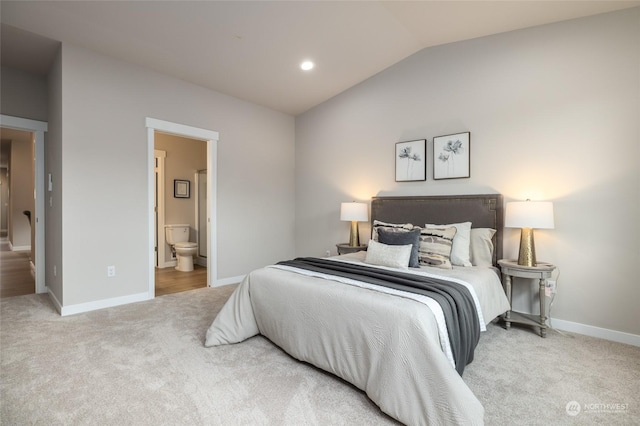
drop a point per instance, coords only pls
(178, 237)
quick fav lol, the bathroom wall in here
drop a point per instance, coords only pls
(183, 158)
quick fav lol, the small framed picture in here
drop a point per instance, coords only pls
(411, 161)
(451, 156)
(180, 188)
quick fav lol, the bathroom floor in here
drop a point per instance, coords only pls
(168, 280)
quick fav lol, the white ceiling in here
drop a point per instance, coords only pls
(252, 49)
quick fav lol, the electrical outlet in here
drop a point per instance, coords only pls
(551, 284)
(55, 270)
(111, 271)
(327, 253)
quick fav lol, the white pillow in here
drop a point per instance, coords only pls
(391, 256)
(482, 246)
(460, 254)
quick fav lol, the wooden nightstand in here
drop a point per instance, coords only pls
(541, 271)
(346, 248)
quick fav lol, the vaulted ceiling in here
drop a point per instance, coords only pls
(252, 49)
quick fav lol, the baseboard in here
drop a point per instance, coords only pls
(169, 264)
(101, 304)
(602, 333)
(117, 301)
(19, 248)
(55, 301)
(227, 281)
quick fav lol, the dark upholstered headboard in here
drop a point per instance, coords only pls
(483, 211)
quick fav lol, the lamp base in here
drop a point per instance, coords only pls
(354, 236)
(527, 253)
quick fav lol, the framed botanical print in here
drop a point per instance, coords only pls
(411, 161)
(451, 156)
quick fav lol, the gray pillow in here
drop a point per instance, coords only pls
(402, 238)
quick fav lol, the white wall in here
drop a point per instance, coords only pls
(554, 114)
(104, 174)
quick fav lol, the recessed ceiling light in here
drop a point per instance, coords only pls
(306, 65)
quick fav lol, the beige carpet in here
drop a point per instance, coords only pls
(145, 364)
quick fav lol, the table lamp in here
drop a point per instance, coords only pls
(528, 215)
(354, 212)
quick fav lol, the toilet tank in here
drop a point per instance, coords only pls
(176, 233)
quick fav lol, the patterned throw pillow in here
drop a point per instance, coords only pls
(435, 247)
(460, 254)
(398, 227)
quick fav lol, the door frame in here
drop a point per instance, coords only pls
(211, 137)
(159, 239)
(38, 128)
(197, 180)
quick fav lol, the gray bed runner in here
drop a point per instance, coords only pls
(455, 299)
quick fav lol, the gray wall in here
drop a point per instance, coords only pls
(553, 113)
(23, 95)
(54, 241)
(103, 163)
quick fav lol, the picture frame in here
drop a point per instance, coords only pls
(411, 160)
(452, 156)
(181, 188)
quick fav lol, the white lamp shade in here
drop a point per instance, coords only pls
(529, 214)
(354, 212)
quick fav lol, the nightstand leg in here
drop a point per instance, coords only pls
(543, 309)
(507, 290)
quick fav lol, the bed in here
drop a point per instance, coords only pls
(393, 345)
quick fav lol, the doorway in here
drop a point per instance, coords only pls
(178, 159)
(36, 130)
(211, 138)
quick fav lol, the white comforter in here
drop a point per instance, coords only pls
(386, 345)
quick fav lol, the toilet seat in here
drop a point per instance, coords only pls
(186, 245)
